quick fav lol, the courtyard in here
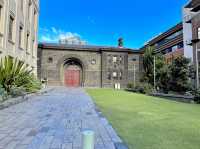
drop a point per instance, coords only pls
(145, 122)
(54, 120)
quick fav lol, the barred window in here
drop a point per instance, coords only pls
(109, 75)
(114, 74)
(10, 33)
(120, 75)
(120, 60)
(114, 59)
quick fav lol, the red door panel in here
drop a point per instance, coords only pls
(72, 78)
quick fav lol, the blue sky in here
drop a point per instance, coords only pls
(102, 22)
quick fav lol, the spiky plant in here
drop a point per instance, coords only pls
(14, 73)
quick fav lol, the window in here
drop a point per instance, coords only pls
(109, 75)
(32, 49)
(20, 36)
(180, 45)
(120, 75)
(1, 9)
(35, 20)
(29, 9)
(50, 60)
(22, 5)
(174, 48)
(93, 62)
(109, 59)
(114, 59)
(114, 74)
(199, 33)
(27, 41)
(120, 59)
(10, 33)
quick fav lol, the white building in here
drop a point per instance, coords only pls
(18, 30)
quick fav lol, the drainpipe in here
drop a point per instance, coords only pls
(101, 69)
(197, 67)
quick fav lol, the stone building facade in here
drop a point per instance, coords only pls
(18, 30)
(88, 66)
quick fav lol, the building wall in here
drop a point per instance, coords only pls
(98, 74)
(51, 71)
(25, 20)
(195, 25)
(187, 34)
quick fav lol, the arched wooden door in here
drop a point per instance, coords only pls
(72, 76)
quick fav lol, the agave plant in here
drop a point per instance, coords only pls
(14, 73)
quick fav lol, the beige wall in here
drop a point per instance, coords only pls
(25, 16)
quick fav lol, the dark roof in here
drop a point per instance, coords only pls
(85, 48)
(169, 32)
(193, 4)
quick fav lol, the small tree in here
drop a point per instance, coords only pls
(162, 73)
(179, 75)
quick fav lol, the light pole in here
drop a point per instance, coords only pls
(134, 76)
(154, 72)
(197, 67)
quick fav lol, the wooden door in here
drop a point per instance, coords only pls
(72, 78)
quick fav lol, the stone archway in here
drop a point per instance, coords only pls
(72, 62)
(73, 73)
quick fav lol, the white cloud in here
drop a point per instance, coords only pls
(55, 35)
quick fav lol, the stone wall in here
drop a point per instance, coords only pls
(98, 67)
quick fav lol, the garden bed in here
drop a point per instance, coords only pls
(181, 98)
(13, 101)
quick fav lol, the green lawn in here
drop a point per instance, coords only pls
(145, 122)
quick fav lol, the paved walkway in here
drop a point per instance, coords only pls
(54, 121)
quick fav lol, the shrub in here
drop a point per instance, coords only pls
(17, 91)
(197, 96)
(130, 85)
(144, 88)
(3, 94)
(15, 73)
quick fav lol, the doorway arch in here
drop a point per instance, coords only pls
(73, 73)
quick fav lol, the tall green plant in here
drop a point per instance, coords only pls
(179, 75)
(148, 64)
(162, 73)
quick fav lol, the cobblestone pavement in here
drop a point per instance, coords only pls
(54, 120)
